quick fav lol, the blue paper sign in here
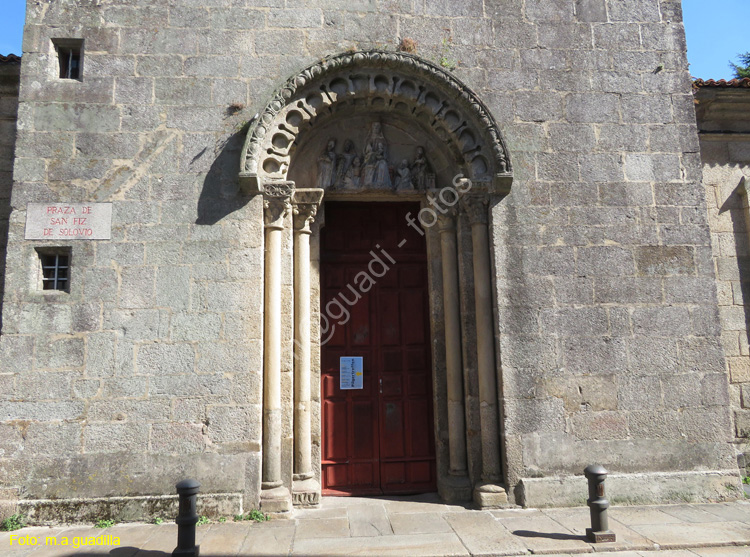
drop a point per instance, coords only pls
(351, 374)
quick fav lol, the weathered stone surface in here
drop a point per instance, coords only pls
(606, 337)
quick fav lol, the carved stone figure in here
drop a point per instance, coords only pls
(403, 177)
(353, 177)
(327, 165)
(376, 172)
(344, 163)
(420, 169)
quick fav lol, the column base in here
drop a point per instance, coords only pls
(606, 536)
(306, 493)
(455, 489)
(276, 500)
(490, 496)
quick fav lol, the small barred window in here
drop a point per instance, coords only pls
(70, 57)
(55, 271)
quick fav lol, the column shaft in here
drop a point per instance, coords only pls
(274, 496)
(272, 362)
(489, 493)
(453, 361)
(302, 430)
(306, 490)
(486, 354)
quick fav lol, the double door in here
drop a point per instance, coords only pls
(377, 439)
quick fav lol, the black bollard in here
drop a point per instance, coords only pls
(187, 518)
(598, 505)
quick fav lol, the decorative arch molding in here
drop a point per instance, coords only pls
(415, 111)
(394, 83)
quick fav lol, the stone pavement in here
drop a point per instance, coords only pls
(422, 525)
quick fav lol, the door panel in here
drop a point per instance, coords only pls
(386, 443)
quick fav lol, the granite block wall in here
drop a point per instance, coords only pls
(10, 69)
(725, 127)
(607, 330)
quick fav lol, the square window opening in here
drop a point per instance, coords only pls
(69, 57)
(55, 269)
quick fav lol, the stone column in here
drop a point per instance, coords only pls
(305, 490)
(458, 482)
(274, 496)
(487, 493)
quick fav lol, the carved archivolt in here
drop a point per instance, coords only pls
(376, 82)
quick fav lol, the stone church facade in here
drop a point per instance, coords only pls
(292, 248)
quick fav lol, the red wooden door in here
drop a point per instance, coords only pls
(378, 439)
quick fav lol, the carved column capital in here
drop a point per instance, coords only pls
(305, 204)
(475, 207)
(276, 203)
(447, 221)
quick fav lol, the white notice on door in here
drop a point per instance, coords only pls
(350, 376)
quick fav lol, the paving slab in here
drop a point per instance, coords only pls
(131, 538)
(631, 516)
(696, 534)
(605, 554)
(38, 535)
(77, 539)
(413, 546)
(224, 539)
(482, 534)
(330, 512)
(722, 551)
(369, 521)
(578, 519)
(516, 513)
(22, 550)
(421, 526)
(137, 535)
(165, 540)
(689, 513)
(269, 539)
(322, 528)
(665, 553)
(419, 523)
(32, 531)
(398, 507)
(544, 535)
(428, 502)
(338, 502)
(737, 511)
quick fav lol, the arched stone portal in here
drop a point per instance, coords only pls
(371, 126)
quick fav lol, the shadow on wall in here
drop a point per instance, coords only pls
(4, 214)
(220, 194)
(735, 204)
(10, 68)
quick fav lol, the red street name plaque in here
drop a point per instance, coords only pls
(69, 221)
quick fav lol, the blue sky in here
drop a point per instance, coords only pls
(715, 33)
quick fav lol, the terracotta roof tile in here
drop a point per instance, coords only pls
(10, 59)
(744, 83)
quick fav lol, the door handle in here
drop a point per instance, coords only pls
(381, 385)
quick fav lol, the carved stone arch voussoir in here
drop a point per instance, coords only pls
(397, 82)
